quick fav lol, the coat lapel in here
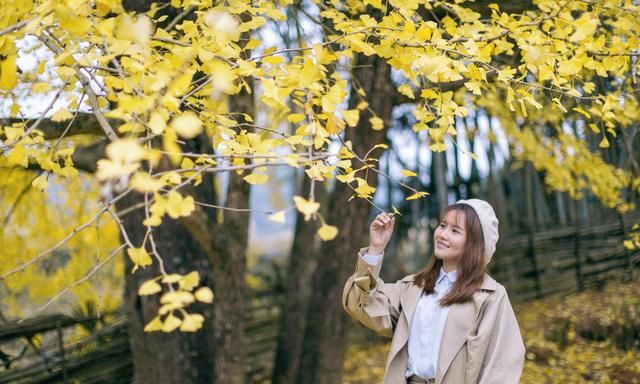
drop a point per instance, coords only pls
(408, 301)
(460, 320)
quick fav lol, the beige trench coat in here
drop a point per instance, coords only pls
(481, 341)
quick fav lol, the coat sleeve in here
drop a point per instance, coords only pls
(496, 352)
(370, 300)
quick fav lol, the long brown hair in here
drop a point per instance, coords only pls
(471, 267)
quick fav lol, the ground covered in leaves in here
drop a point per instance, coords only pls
(588, 337)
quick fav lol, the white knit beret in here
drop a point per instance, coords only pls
(489, 224)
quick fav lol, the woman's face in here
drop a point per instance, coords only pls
(449, 238)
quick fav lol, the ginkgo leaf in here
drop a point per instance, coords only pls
(179, 298)
(327, 232)
(138, 30)
(125, 151)
(139, 257)
(149, 287)
(189, 281)
(582, 111)
(154, 325)
(171, 278)
(278, 217)
(171, 323)
(204, 295)
(604, 143)
(377, 123)
(41, 182)
(187, 125)
(221, 21)
(306, 207)
(417, 195)
(192, 322)
(295, 118)
(178, 206)
(143, 182)
(62, 114)
(408, 173)
(351, 117)
(256, 178)
(8, 72)
(364, 189)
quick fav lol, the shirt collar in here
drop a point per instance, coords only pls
(451, 276)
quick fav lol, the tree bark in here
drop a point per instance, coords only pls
(167, 357)
(302, 263)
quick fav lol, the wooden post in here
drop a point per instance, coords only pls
(626, 253)
(63, 363)
(576, 253)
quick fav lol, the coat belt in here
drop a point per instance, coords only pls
(419, 380)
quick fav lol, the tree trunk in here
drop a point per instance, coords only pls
(302, 263)
(174, 357)
(324, 340)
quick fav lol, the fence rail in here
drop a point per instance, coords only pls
(534, 265)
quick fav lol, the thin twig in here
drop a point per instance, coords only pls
(93, 99)
(15, 26)
(35, 259)
(74, 284)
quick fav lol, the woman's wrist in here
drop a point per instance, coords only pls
(374, 250)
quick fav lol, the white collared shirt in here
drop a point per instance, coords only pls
(427, 325)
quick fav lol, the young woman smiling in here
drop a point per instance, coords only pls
(450, 323)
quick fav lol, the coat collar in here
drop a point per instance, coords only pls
(488, 284)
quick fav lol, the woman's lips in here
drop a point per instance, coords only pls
(440, 244)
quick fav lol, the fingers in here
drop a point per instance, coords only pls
(384, 220)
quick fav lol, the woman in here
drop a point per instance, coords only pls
(451, 323)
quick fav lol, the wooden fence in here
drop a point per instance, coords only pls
(531, 266)
(105, 357)
(566, 260)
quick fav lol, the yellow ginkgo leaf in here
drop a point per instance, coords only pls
(408, 173)
(8, 72)
(295, 118)
(351, 117)
(327, 232)
(149, 287)
(171, 323)
(171, 278)
(154, 325)
(178, 298)
(204, 295)
(417, 195)
(306, 207)
(139, 257)
(278, 217)
(256, 178)
(189, 281)
(137, 31)
(177, 206)
(61, 115)
(604, 143)
(143, 182)
(376, 123)
(192, 322)
(40, 183)
(187, 125)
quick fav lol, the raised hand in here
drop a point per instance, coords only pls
(380, 232)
